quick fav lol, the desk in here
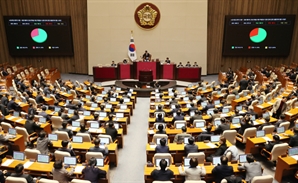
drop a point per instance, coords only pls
(188, 73)
(125, 71)
(146, 66)
(292, 114)
(102, 180)
(112, 147)
(238, 101)
(260, 109)
(285, 166)
(168, 71)
(104, 73)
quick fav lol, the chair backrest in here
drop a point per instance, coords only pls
(199, 155)
(230, 135)
(229, 155)
(5, 126)
(253, 103)
(47, 181)
(199, 121)
(32, 101)
(180, 122)
(75, 101)
(15, 180)
(156, 136)
(224, 181)
(59, 155)
(62, 135)
(73, 92)
(31, 153)
(249, 132)
(278, 150)
(56, 122)
(22, 131)
(105, 136)
(284, 124)
(93, 154)
(230, 98)
(262, 179)
(269, 129)
(86, 137)
(162, 156)
(80, 181)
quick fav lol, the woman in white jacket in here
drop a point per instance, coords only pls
(193, 172)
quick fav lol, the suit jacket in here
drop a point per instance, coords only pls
(270, 145)
(222, 171)
(264, 124)
(162, 149)
(104, 151)
(196, 116)
(70, 151)
(45, 115)
(190, 148)
(31, 126)
(162, 175)
(93, 174)
(252, 169)
(220, 150)
(112, 132)
(26, 176)
(180, 137)
(243, 127)
(69, 131)
(39, 99)
(43, 145)
(243, 85)
(4, 100)
(13, 105)
(62, 175)
(276, 106)
(193, 173)
(293, 140)
(222, 127)
(178, 117)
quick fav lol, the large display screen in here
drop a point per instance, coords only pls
(39, 36)
(258, 35)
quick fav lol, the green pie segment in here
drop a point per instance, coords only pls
(258, 35)
(39, 35)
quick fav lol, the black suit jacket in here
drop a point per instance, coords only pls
(112, 132)
(13, 105)
(222, 171)
(190, 148)
(98, 149)
(220, 150)
(26, 176)
(293, 140)
(4, 100)
(162, 149)
(39, 99)
(69, 132)
(162, 175)
(70, 151)
(31, 126)
(243, 85)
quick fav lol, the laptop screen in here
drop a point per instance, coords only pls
(123, 107)
(215, 138)
(204, 104)
(102, 114)
(87, 113)
(239, 108)
(218, 92)
(113, 99)
(170, 89)
(216, 102)
(16, 114)
(18, 155)
(77, 139)
(130, 90)
(57, 109)
(186, 162)
(119, 115)
(265, 115)
(185, 140)
(237, 96)
(126, 100)
(70, 111)
(236, 120)
(104, 140)
(173, 107)
(116, 125)
(118, 89)
(293, 151)
(183, 93)
(70, 160)
(12, 131)
(99, 98)
(185, 99)
(171, 94)
(198, 97)
(100, 162)
(41, 158)
(253, 117)
(280, 129)
(48, 96)
(188, 105)
(157, 160)
(217, 122)
(216, 160)
(179, 125)
(158, 141)
(225, 110)
(88, 96)
(157, 95)
(191, 113)
(108, 106)
(244, 93)
(200, 124)
(103, 92)
(42, 120)
(94, 125)
(242, 158)
(210, 111)
(94, 105)
(75, 124)
(53, 137)
(260, 133)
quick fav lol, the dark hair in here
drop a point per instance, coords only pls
(163, 141)
(223, 120)
(83, 127)
(19, 168)
(160, 127)
(223, 139)
(96, 142)
(111, 124)
(92, 162)
(209, 128)
(64, 143)
(102, 107)
(75, 112)
(183, 129)
(64, 124)
(250, 158)
(276, 138)
(191, 140)
(58, 164)
(31, 117)
(163, 164)
(267, 119)
(282, 116)
(111, 117)
(215, 111)
(112, 109)
(121, 100)
(44, 108)
(193, 162)
(224, 160)
(96, 116)
(42, 134)
(159, 115)
(159, 106)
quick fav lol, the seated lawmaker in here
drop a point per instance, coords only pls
(60, 173)
(220, 150)
(180, 136)
(97, 148)
(159, 118)
(193, 172)
(113, 64)
(65, 129)
(65, 148)
(163, 174)
(188, 64)
(252, 168)
(162, 147)
(191, 147)
(30, 125)
(160, 129)
(221, 171)
(19, 172)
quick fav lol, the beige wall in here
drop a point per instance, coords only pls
(181, 33)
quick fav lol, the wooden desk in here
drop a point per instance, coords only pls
(238, 101)
(260, 109)
(285, 166)
(66, 95)
(18, 141)
(113, 150)
(292, 114)
(204, 92)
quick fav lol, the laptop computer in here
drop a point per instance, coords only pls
(265, 115)
(102, 114)
(104, 140)
(87, 113)
(108, 106)
(113, 99)
(236, 120)
(130, 90)
(88, 97)
(42, 120)
(198, 97)
(53, 137)
(185, 140)
(116, 125)
(94, 105)
(118, 89)
(18, 155)
(123, 107)
(57, 109)
(210, 111)
(41, 158)
(77, 139)
(239, 108)
(242, 158)
(75, 124)
(216, 102)
(204, 104)
(158, 141)
(119, 115)
(126, 100)
(217, 122)
(186, 162)
(94, 125)
(70, 160)
(225, 110)
(179, 125)
(218, 92)
(216, 160)
(214, 138)
(293, 151)
(260, 133)
(157, 160)
(103, 92)
(296, 125)
(280, 130)
(70, 111)
(99, 98)
(200, 124)
(16, 114)
(245, 94)
(99, 162)
(237, 96)
(12, 131)
(185, 98)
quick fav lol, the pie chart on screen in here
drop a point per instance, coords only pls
(257, 35)
(39, 35)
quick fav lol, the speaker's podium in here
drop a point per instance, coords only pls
(145, 76)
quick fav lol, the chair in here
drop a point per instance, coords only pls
(47, 181)
(73, 92)
(6, 126)
(31, 153)
(224, 181)
(62, 135)
(53, 97)
(230, 135)
(56, 122)
(284, 124)
(156, 136)
(278, 150)
(27, 138)
(32, 101)
(93, 154)
(230, 98)
(249, 132)
(106, 136)
(59, 155)
(162, 113)
(199, 155)
(199, 121)
(229, 156)
(195, 181)
(269, 129)
(80, 181)
(262, 179)
(180, 122)
(162, 156)
(75, 101)
(86, 137)
(15, 180)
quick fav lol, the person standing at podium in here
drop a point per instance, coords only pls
(168, 61)
(146, 56)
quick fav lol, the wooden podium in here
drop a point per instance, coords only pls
(145, 76)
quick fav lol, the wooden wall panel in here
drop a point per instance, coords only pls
(217, 9)
(77, 9)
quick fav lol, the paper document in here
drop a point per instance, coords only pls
(236, 125)
(203, 129)
(28, 164)
(211, 145)
(7, 162)
(256, 123)
(295, 157)
(11, 118)
(19, 120)
(92, 108)
(152, 146)
(151, 131)
(78, 169)
(267, 138)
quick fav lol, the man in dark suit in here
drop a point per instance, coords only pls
(19, 172)
(162, 174)
(4, 99)
(220, 150)
(162, 147)
(44, 114)
(281, 120)
(113, 64)
(269, 145)
(243, 84)
(12, 105)
(178, 116)
(192, 107)
(180, 136)
(65, 129)
(159, 109)
(96, 148)
(111, 130)
(191, 146)
(223, 126)
(65, 148)
(39, 98)
(198, 115)
(267, 123)
(294, 139)
(30, 125)
(146, 56)
(206, 135)
(221, 171)
(159, 118)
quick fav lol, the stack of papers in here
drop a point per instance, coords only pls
(236, 125)
(211, 145)
(256, 123)
(295, 157)
(203, 129)
(78, 169)
(152, 146)
(267, 138)
(19, 120)
(151, 131)
(11, 118)
(28, 164)
(7, 162)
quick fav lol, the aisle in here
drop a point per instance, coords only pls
(132, 157)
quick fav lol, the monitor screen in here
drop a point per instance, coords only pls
(108, 106)
(41, 158)
(157, 160)
(260, 133)
(94, 125)
(192, 113)
(42, 120)
(12, 131)
(210, 111)
(70, 111)
(70, 160)
(119, 115)
(75, 124)
(280, 129)
(18, 155)
(198, 97)
(188, 105)
(217, 122)
(102, 114)
(258, 35)
(215, 138)
(53, 137)
(183, 93)
(237, 96)
(77, 139)
(123, 107)
(88, 97)
(57, 109)
(173, 106)
(293, 151)
(225, 110)
(204, 104)
(99, 98)
(94, 105)
(216, 160)
(158, 141)
(265, 115)
(242, 158)
(239, 108)
(253, 117)
(87, 113)
(100, 162)
(236, 120)
(126, 100)
(39, 35)
(186, 162)
(200, 124)
(113, 99)
(185, 99)
(16, 114)
(185, 140)
(157, 124)
(104, 140)
(103, 92)
(216, 102)
(179, 125)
